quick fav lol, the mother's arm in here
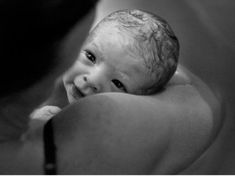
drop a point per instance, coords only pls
(115, 133)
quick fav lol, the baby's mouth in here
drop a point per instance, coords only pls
(76, 92)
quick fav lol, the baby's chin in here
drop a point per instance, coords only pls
(72, 94)
(71, 99)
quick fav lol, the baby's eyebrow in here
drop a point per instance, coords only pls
(124, 75)
(97, 50)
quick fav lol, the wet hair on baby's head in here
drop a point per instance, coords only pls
(150, 38)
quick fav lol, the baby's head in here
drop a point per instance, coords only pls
(129, 51)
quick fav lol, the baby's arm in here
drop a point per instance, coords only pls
(45, 112)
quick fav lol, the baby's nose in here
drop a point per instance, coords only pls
(90, 84)
(86, 85)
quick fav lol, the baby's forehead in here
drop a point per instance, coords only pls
(102, 29)
(108, 27)
(132, 41)
(110, 33)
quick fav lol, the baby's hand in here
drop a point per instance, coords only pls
(45, 112)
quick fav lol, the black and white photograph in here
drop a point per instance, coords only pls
(117, 87)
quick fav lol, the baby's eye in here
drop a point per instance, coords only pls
(90, 56)
(119, 85)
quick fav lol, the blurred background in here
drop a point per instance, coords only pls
(206, 31)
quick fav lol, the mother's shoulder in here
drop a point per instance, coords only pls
(174, 126)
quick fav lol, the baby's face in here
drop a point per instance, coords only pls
(106, 65)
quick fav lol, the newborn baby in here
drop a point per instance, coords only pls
(129, 51)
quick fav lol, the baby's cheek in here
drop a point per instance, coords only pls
(70, 75)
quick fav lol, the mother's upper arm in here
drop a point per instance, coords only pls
(117, 133)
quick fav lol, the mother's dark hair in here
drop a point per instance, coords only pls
(29, 32)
